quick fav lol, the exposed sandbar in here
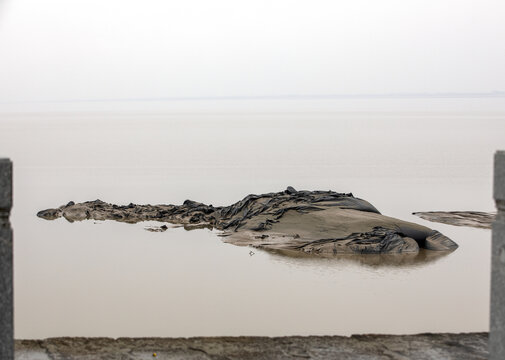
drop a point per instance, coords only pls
(476, 219)
(313, 222)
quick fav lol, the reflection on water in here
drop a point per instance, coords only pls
(423, 257)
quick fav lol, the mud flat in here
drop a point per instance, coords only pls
(313, 222)
(422, 346)
(476, 219)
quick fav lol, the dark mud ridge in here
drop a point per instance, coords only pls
(414, 347)
(315, 222)
(476, 219)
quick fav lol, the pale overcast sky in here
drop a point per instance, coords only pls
(103, 49)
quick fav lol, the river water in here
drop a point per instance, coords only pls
(115, 279)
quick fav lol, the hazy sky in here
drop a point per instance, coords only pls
(90, 49)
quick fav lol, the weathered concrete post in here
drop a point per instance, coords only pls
(6, 299)
(497, 324)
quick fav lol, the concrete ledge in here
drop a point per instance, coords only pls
(5, 185)
(499, 178)
(6, 285)
(423, 346)
(497, 318)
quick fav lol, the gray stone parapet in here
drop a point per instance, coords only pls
(497, 319)
(6, 298)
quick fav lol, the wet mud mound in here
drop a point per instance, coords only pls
(312, 222)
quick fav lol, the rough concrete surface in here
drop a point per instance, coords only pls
(497, 319)
(401, 347)
(6, 286)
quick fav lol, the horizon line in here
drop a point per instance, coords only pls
(493, 94)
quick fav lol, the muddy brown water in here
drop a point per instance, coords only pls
(113, 279)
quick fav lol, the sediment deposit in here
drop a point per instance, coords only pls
(313, 222)
(476, 219)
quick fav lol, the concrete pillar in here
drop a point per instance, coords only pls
(497, 323)
(6, 299)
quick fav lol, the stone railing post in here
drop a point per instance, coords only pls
(497, 320)
(6, 298)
